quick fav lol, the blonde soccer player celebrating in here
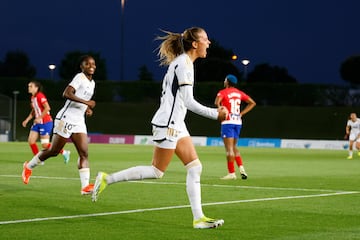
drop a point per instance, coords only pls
(170, 135)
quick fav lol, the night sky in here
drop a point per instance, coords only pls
(309, 38)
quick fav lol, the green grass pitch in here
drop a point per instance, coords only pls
(290, 194)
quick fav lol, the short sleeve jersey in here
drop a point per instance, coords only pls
(74, 112)
(231, 99)
(354, 126)
(172, 110)
(37, 104)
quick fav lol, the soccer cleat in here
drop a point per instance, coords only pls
(230, 176)
(26, 173)
(66, 155)
(100, 185)
(206, 222)
(349, 157)
(243, 173)
(87, 190)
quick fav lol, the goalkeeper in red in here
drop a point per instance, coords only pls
(231, 98)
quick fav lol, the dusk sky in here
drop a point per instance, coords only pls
(310, 38)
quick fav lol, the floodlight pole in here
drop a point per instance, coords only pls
(122, 41)
(14, 114)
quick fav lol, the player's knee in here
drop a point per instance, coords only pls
(45, 141)
(158, 173)
(194, 163)
(230, 153)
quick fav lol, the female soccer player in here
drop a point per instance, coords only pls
(231, 98)
(352, 131)
(170, 135)
(43, 122)
(70, 123)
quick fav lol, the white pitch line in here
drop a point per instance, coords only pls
(281, 198)
(203, 184)
(170, 207)
(250, 187)
(41, 177)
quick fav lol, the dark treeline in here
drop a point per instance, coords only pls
(265, 94)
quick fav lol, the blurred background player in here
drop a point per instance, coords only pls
(70, 123)
(231, 98)
(43, 122)
(170, 134)
(353, 133)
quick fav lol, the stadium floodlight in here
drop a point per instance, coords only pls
(52, 68)
(245, 62)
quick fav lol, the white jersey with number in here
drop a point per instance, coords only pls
(74, 112)
(177, 96)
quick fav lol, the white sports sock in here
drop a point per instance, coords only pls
(135, 173)
(84, 177)
(193, 187)
(34, 162)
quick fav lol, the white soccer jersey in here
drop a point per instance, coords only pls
(177, 96)
(354, 126)
(74, 112)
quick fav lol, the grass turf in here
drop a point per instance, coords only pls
(290, 194)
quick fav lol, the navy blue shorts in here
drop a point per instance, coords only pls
(43, 129)
(230, 130)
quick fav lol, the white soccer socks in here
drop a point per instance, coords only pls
(135, 173)
(193, 187)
